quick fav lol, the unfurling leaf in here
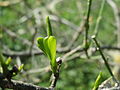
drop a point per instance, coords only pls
(49, 28)
(48, 46)
(40, 44)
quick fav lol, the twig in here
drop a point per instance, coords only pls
(21, 54)
(33, 40)
(56, 75)
(18, 85)
(103, 57)
(87, 27)
(76, 35)
(71, 52)
(99, 18)
(14, 35)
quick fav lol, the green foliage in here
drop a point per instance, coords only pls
(98, 81)
(5, 68)
(48, 46)
(4, 64)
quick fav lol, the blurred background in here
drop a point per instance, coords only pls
(22, 21)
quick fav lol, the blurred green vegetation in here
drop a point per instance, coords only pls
(19, 21)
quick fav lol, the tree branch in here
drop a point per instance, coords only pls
(18, 85)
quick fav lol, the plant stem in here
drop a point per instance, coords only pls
(87, 26)
(103, 57)
(56, 75)
(99, 17)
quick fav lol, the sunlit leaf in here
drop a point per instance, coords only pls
(8, 61)
(52, 47)
(20, 67)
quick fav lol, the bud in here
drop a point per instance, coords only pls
(59, 60)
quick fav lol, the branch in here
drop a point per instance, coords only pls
(14, 54)
(18, 85)
(99, 18)
(85, 41)
(104, 58)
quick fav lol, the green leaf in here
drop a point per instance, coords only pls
(52, 48)
(49, 28)
(20, 67)
(3, 64)
(8, 61)
(40, 44)
(47, 50)
(98, 81)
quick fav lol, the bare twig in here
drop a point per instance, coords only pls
(14, 35)
(103, 57)
(18, 85)
(15, 54)
(87, 26)
(76, 35)
(71, 52)
(99, 17)
(33, 40)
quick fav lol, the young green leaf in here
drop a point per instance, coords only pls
(98, 81)
(48, 46)
(52, 47)
(20, 67)
(49, 28)
(8, 61)
(40, 44)
(45, 42)
(3, 64)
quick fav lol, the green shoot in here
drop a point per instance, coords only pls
(48, 46)
(98, 81)
(49, 28)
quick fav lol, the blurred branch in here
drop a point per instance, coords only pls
(99, 18)
(14, 35)
(117, 18)
(15, 54)
(33, 40)
(71, 52)
(76, 35)
(64, 21)
(18, 85)
(9, 3)
(72, 55)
